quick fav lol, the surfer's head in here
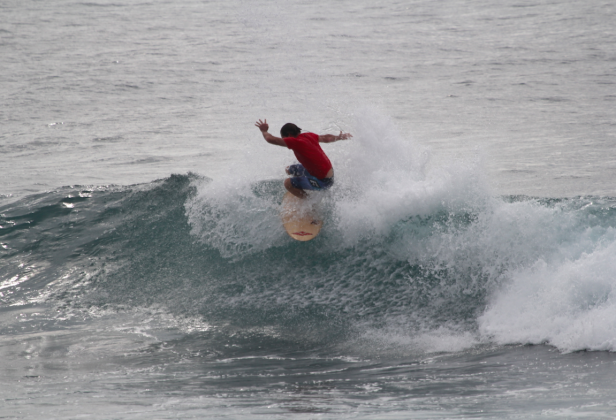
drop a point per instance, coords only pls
(290, 130)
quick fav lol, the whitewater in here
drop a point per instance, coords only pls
(466, 267)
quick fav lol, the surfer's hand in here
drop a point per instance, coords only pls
(344, 136)
(262, 125)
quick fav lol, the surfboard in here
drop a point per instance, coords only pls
(299, 218)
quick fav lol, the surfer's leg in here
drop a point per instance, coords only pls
(298, 192)
(298, 183)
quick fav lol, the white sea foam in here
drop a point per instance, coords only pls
(228, 215)
(398, 341)
(569, 303)
(385, 177)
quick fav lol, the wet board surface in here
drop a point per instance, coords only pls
(299, 218)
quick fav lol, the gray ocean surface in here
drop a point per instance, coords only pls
(466, 268)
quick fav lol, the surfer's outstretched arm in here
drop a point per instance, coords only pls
(330, 138)
(263, 126)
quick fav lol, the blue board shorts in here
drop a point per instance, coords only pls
(304, 181)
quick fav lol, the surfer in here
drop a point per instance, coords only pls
(314, 171)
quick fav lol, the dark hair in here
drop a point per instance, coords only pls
(290, 130)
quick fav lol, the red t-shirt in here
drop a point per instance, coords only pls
(309, 153)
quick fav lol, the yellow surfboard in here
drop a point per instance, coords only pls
(299, 218)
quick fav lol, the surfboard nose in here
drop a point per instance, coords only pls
(299, 220)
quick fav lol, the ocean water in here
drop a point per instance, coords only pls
(466, 267)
